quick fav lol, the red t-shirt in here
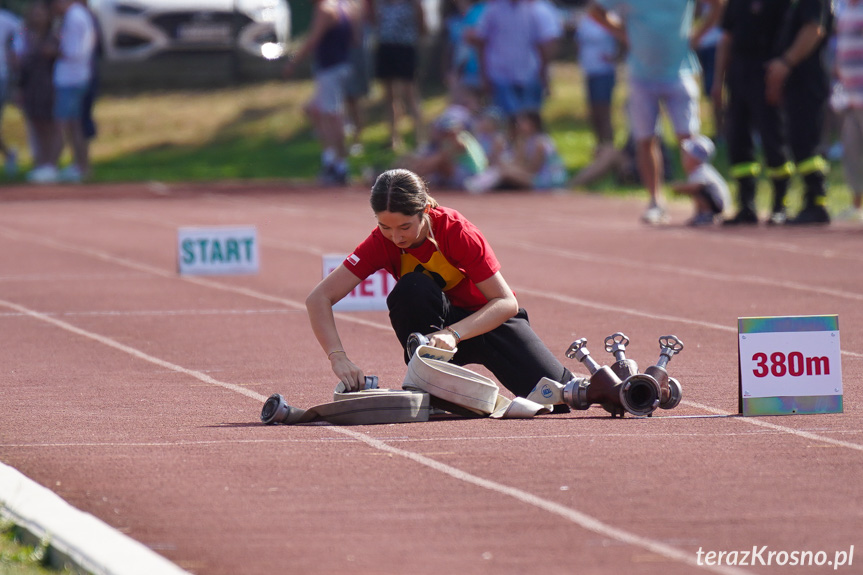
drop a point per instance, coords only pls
(463, 258)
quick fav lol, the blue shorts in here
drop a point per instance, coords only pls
(600, 87)
(69, 102)
(516, 98)
(680, 98)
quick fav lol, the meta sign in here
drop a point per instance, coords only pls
(370, 295)
(218, 251)
(789, 365)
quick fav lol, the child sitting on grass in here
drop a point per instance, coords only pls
(704, 184)
(453, 155)
(535, 163)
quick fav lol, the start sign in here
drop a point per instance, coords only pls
(218, 250)
(789, 365)
(370, 295)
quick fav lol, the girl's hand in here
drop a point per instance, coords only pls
(443, 339)
(347, 371)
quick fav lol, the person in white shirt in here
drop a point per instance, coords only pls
(9, 27)
(72, 74)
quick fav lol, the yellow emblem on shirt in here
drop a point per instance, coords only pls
(438, 268)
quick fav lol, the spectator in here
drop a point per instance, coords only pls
(849, 64)
(400, 27)
(9, 27)
(703, 184)
(72, 75)
(661, 66)
(706, 52)
(748, 42)
(514, 54)
(550, 33)
(488, 129)
(797, 79)
(330, 38)
(461, 62)
(598, 54)
(358, 85)
(453, 155)
(37, 53)
(534, 163)
(88, 121)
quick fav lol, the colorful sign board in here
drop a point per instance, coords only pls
(789, 365)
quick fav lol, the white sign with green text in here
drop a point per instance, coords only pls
(218, 250)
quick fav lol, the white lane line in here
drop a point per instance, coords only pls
(654, 267)
(12, 234)
(68, 277)
(130, 350)
(773, 426)
(166, 312)
(581, 519)
(635, 312)
(171, 274)
(451, 438)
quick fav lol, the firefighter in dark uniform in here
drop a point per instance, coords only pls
(750, 33)
(797, 78)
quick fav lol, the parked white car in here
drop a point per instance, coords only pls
(141, 29)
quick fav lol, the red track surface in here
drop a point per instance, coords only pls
(135, 393)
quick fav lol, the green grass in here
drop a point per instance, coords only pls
(260, 132)
(18, 559)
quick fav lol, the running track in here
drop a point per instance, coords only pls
(134, 393)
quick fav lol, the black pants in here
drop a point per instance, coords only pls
(512, 352)
(804, 101)
(749, 111)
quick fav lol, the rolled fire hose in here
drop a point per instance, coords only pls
(429, 376)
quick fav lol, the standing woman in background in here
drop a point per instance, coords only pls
(400, 27)
(330, 40)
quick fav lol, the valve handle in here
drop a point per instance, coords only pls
(670, 343)
(575, 346)
(668, 346)
(616, 341)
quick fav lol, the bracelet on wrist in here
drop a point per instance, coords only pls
(455, 334)
(330, 355)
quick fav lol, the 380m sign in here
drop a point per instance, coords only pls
(794, 364)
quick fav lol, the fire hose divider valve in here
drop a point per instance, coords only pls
(672, 391)
(605, 387)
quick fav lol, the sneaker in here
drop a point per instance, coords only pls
(71, 174)
(333, 176)
(43, 175)
(655, 215)
(701, 220)
(811, 215)
(11, 165)
(744, 217)
(777, 218)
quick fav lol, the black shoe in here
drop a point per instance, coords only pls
(778, 218)
(811, 215)
(743, 217)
